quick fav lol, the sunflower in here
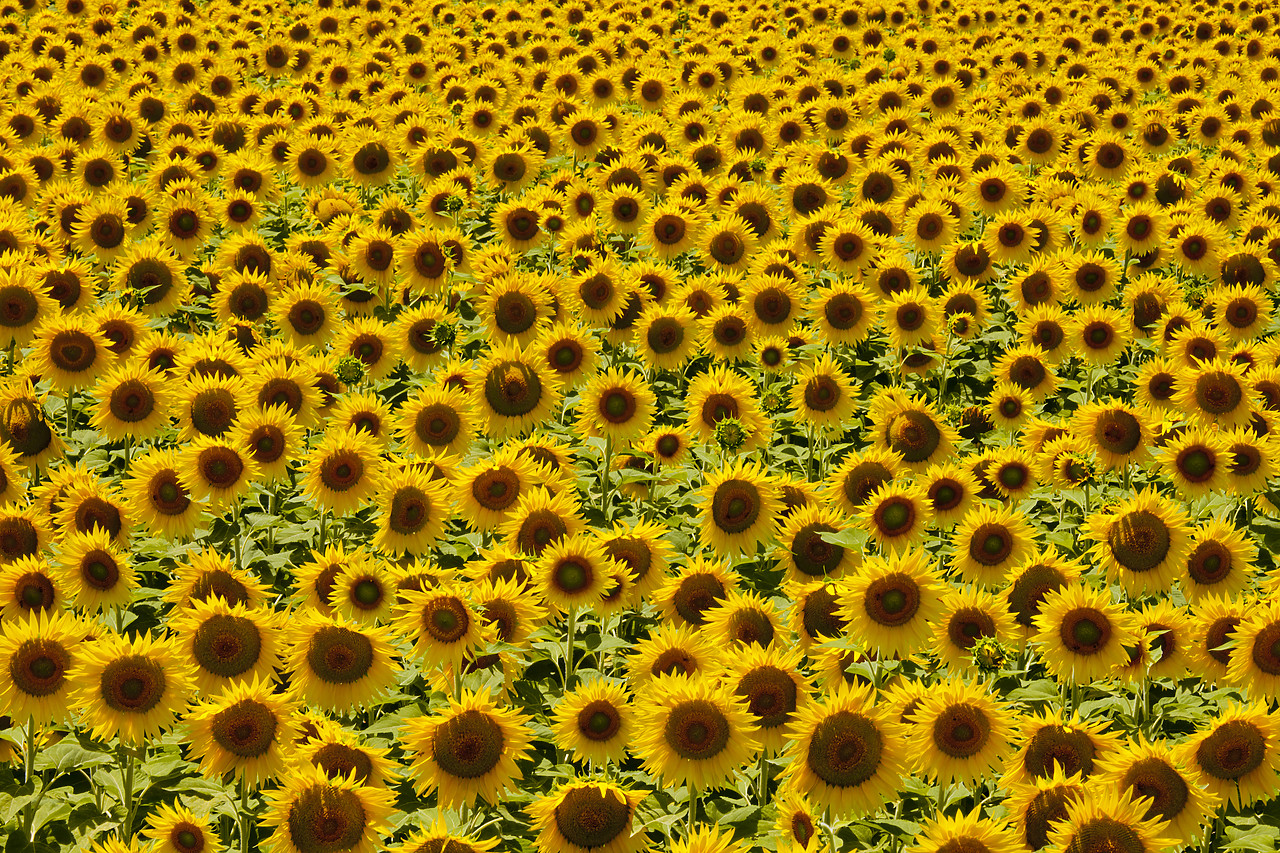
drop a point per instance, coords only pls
(987, 542)
(965, 617)
(595, 721)
(438, 838)
(97, 573)
(586, 816)
(959, 732)
(890, 602)
(693, 731)
(1042, 803)
(573, 572)
(177, 829)
(131, 689)
(1096, 822)
(1214, 622)
(362, 590)
(845, 754)
(154, 494)
(1082, 634)
(1219, 561)
(912, 428)
(616, 405)
(672, 650)
(227, 644)
(311, 810)
(722, 393)
(71, 352)
(210, 405)
(797, 821)
(337, 664)
(741, 507)
(467, 750)
(343, 471)
(895, 516)
(1252, 460)
(37, 655)
(1098, 335)
(247, 730)
(25, 427)
(569, 351)
(845, 313)
(1119, 433)
(769, 680)
(216, 471)
(515, 392)
(131, 402)
(859, 475)
(1254, 665)
(540, 519)
(1054, 743)
(1172, 791)
(1217, 393)
(444, 627)
(413, 510)
(436, 421)
(803, 550)
(727, 244)
(1141, 541)
(508, 608)
(341, 754)
(823, 396)
(966, 832)
(742, 619)
(372, 342)
(29, 586)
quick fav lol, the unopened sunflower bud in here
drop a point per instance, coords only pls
(730, 435)
(444, 334)
(989, 654)
(349, 370)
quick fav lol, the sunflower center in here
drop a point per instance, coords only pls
(326, 818)
(893, 600)
(1139, 541)
(696, 730)
(246, 729)
(591, 817)
(770, 694)
(1085, 631)
(133, 684)
(339, 655)
(845, 750)
(37, 667)
(468, 745)
(599, 721)
(735, 506)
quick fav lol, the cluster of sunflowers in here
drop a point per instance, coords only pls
(601, 427)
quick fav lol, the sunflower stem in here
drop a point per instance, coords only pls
(831, 830)
(245, 823)
(808, 459)
(70, 412)
(457, 683)
(125, 757)
(762, 789)
(28, 771)
(568, 647)
(235, 535)
(940, 806)
(324, 528)
(604, 477)
(693, 810)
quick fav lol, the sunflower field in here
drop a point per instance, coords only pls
(606, 426)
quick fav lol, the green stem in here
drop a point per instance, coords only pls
(693, 810)
(568, 648)
(235, 535)
(126, 773)
(605, 478)
(28, 772)
(941, 805)
(324, 528)
(70, 413)
(457, 683)
(831, 831)
(762, 789)
(245, 822)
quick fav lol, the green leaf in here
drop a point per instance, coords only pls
(67, 755)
